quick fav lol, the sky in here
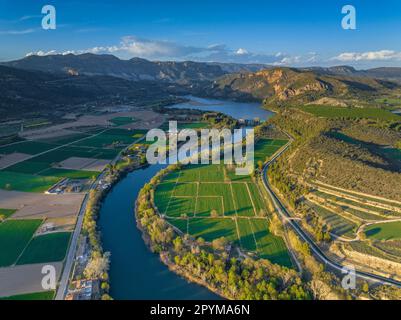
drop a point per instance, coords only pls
(285, 32)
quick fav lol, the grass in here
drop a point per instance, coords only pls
(384, 231)
(6, 213)
(193, 125)
(26, 182)
(247, 239)
(242, 200)
(351, 113)
(46, 248)
(45, 295)
(189, 196)
(179, 223)
(205, 205)
(29, 167)
(14, 237)
(265, 148)
(270, 247)
(28, 147)
(68, 173)
(213, 228)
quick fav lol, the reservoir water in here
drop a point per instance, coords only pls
(135, 272)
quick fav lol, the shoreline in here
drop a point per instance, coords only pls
(170, 265)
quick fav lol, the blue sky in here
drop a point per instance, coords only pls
(286, 32)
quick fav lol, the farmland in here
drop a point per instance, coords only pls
(46, 248)
(204, 202)
(14, 237)
(264, 148)
(46, 295)
(120, 121)
(350, 113)
(6, 213)
(384, 231)
(42, 169)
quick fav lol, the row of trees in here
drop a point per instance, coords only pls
(99, 262)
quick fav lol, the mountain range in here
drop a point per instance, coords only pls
(55, 80)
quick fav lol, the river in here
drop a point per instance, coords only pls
(135, 272)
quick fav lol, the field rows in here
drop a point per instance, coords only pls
(201, 201)
(40, 172)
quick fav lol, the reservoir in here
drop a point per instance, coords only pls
(136, 272)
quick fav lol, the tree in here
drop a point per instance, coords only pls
(97, 266)
(365, 287)
(178, 244)
(214, 213)
(260, 165)
(275, 226)
(219, 243)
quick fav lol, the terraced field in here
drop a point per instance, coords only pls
(50, 247)
(384, 231)
(338, 224)
(203, 201)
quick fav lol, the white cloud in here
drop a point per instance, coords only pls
(16, 32)
(368, 56)
(131, 46)
(241, 51)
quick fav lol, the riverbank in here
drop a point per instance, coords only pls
(221, 271)
(164, 258)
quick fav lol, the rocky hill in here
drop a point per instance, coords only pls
(32, 91)
(285, 86)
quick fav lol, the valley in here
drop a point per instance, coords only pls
(324, 193)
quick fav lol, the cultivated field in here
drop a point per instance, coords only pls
(203, 201)
(384, 231)
(76, 156)
(350, 113)
(46, 248)
(14, 237)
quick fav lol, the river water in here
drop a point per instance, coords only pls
(135, 272)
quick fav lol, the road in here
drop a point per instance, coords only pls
(70, 259)
(286, 217)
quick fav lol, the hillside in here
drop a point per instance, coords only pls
(286, 86)
(31, 91)
(133, 69)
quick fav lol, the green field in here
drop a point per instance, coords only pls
(46, 295)
(14, 237)
(188, 199)
(50, 247)
(72, 174)
(351, 113)
(213, 228)
(40, 173)
(384, 231)
(26, 182)
(265, 148)
(193, 125)
(6, 213)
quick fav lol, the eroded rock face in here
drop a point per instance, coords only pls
(289, 85)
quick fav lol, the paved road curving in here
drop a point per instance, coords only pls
(285, 216)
